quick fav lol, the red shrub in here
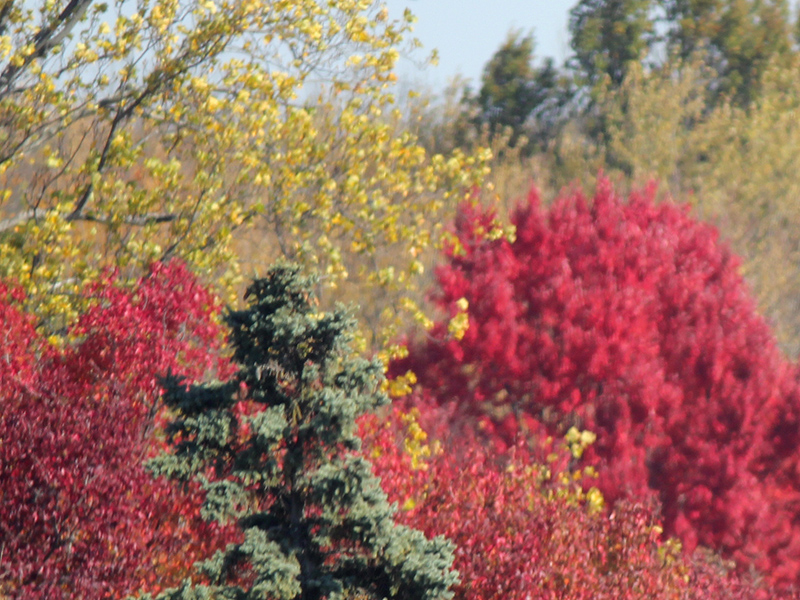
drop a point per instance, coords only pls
(79, 515)
(523, 535)
(628, 319)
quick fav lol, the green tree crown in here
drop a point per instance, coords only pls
(607, 36)
(517, 94)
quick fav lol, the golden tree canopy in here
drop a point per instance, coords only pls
(134, 131)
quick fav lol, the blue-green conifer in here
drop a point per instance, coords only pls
(314, 521)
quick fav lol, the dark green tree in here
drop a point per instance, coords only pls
(518, 95)
(606, 36)
(276, 449)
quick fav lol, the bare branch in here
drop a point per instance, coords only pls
(18, 219)
(132, 220)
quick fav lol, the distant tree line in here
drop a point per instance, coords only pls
(737, 40)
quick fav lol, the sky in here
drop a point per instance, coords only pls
(468, 32)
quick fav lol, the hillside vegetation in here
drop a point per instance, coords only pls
(566, 368)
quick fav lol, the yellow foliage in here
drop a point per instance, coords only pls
(458, 325)
(567, 485)
(400, 386)
(415, 442)
(175, 125)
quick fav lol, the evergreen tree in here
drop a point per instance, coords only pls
(517, 94)
(276, 449)
(608, 35)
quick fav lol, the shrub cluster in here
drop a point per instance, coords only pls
(527, 529)
(80, 517)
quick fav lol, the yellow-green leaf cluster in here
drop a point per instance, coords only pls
(362, 203)
(141, 131)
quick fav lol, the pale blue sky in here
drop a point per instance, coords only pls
(468, 32)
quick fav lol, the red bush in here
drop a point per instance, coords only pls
(631, 320)
(80, 517)
(525, 531)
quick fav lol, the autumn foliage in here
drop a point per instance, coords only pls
(614, 408)
(80, 517)
(526, 529)
(629, 319)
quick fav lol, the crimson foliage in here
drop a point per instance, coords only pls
(79, 515)
(525, 531)
(631, 320)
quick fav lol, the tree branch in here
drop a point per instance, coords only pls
(132, 220)
(18, 219)
(46, 38)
